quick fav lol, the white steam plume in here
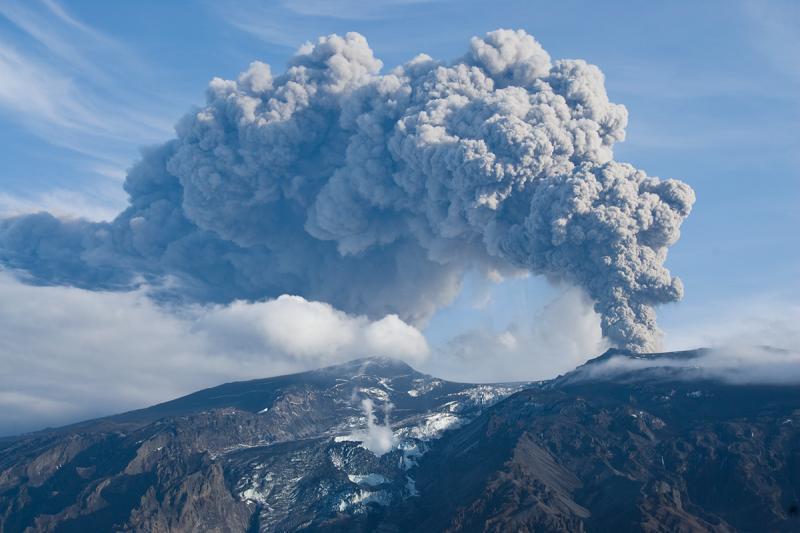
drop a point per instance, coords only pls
(377, 438)
(377, 192)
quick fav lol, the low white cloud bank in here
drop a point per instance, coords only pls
(562, 335)
(307, 331)
(739, 365)
(67, 354)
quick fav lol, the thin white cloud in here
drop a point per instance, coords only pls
(775, 34)
(54, 106)
(288, 23)
(76, 45)
(274, 32)
(63, 203)
(28, 22)
(33, 90)
(58, 10)
(675, 86)
(69, 354)
(349, 9)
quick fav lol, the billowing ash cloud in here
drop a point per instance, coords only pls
(376, 193)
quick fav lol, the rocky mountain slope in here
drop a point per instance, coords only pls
(643, 447)
(272, 454)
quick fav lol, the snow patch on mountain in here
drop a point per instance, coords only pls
(375, 393)
(258, 488)
(424, 386)
(432, 426)
(363, 497)
(485, 395)
(372, 480)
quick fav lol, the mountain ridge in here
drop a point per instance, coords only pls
(182, 403)
(661, 452)
(381, 362)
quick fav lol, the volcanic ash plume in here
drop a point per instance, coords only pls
(377, 192)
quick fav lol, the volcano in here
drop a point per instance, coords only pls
(655, 447)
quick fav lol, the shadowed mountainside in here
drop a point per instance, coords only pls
(661, 448)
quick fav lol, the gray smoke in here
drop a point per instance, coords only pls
(376, 193)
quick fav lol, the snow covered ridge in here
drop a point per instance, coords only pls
(385, 418)
(424, 386)
(451, 410)
(398, 445)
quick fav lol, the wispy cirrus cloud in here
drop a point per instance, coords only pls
(73, 87)
(775, 34)
(288, 23)
(349, 9)
(49, 25)
(63, 203)
(55, 106)
(69, 84)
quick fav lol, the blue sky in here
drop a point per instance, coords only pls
(712, 89)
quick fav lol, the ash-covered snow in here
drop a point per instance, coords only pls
(486, 395)
(375, 393)
(431, 427)
(372, 480)
(257, 487)
(410, 450)
(385, 383)
(374, 446)
(424, 386)
(362, 497)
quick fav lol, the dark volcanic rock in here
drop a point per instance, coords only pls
(271, 454)
(647, 449)
(605, 455)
